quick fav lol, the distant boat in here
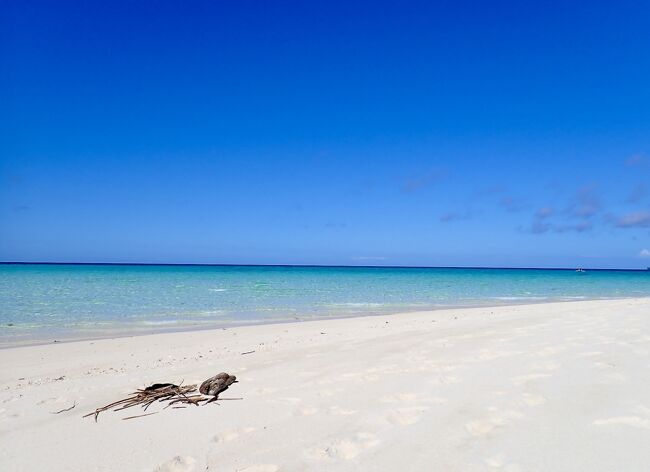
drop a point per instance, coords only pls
(580, 270)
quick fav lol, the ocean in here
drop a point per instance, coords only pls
(46, 302)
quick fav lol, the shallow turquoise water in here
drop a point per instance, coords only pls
(58, 301)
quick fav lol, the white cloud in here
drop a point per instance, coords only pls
(644, 253)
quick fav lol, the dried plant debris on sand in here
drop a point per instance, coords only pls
(176, 396)
(217, 384)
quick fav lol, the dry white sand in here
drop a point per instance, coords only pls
(548, 387)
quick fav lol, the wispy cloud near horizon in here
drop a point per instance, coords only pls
(541, 227)
(369, 258)
(638, 219)
(454, 216)
(639, 192)
(512, 205)
(544, 212)
(586, 202)
(577, 216)
(420, 182)
(636, 160)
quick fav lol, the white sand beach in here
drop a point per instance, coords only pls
(545, 387)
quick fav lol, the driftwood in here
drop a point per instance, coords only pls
(176, 396)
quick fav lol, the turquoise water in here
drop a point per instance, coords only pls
(39, 302)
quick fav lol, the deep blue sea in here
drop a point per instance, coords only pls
(47, 302)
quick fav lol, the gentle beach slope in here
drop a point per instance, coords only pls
(557, 386)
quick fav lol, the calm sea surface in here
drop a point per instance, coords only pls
(46, 302)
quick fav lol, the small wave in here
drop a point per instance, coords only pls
(159, 322)
(208, 313)
(519, 298)
(368, 304)
(218, 289)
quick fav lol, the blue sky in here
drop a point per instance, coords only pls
(433, 133)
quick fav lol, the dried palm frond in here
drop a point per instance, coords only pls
(177, 396)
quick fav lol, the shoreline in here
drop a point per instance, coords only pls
(188, 328)
(364, 393)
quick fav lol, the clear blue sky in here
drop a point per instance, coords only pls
(433, 133)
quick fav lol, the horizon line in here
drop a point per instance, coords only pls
(334, 266)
